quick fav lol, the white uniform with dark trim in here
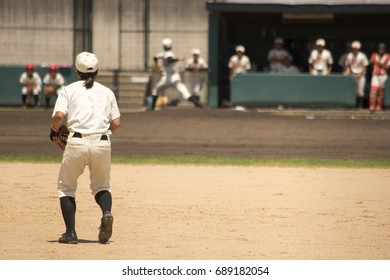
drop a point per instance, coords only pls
(357, 63)
(89, 112)
(170, 76)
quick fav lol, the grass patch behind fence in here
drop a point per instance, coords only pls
(217, 161)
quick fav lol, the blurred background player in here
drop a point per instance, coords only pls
(343, 57)
(238, 63)
(196, 67)
(356, 64)
(380, 62)
(170, 76)
(52, 81)
(32, 83)
(277, 56)
(289, 67)
(320, 60)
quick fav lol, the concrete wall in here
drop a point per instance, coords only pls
(42, 31)
(36, 31)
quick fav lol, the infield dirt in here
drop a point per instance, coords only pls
(206, 212)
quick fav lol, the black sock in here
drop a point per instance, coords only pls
(68, 208)
(104, 199)
(36, 100)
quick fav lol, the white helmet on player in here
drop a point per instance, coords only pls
(167, 43)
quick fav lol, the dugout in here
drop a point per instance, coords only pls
(255, 24)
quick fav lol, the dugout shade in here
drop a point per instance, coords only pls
(255, 24)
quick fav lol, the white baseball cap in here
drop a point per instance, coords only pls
(86, 62)
(320, 42)
(278, 40)
(240, 48)
(196, 51)
(356, 45)
(167, 42)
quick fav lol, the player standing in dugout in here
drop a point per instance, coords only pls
(380, 61)
(92, 116)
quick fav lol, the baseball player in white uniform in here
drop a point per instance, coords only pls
(356, 64)
(92, 116)
(239, 63)
(380, 61)
(277, 56)
(170, 76)
(32, 84)
(52, 82)
(320, 59)
(197, 67)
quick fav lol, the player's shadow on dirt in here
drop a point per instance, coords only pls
(80, 241)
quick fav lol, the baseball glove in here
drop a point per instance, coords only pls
(60, 136)
(30, 87)
(49, 90)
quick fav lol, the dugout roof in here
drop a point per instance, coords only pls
(283, 6)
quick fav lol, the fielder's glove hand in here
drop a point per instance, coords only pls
(60, 136)
(49, 90)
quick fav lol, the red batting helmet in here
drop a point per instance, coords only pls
(30, 66)
(53, 68)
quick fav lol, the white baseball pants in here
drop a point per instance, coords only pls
(80, 152)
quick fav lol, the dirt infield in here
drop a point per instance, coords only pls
(190, 212)
(324, 134)
(207, 212)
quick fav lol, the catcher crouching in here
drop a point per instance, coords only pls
(52, 82)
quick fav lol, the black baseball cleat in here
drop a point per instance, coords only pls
(105, 230)
(68, 238)
(194, 99)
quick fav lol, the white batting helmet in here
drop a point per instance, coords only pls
(167, 43)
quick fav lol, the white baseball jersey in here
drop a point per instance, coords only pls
(170, 76)
(89, 111)
(199, 64)
(196, 76)
(56, 82)
(280, 54)
(356, 62)
(289, 69)
(34, 79)
(239, 65)
(321, 60)
(168, 67)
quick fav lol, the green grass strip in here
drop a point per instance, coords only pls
(218, 161)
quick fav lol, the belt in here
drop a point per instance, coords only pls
(78, 135)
